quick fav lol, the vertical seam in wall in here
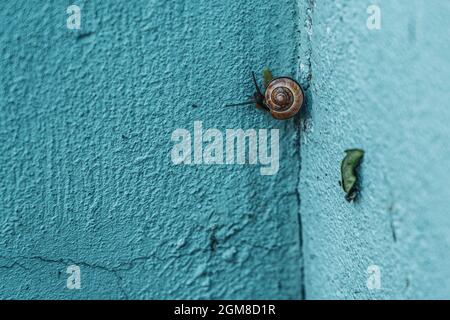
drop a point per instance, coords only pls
(297, 148)
(309, 32)
(299, 217)
(307, 27)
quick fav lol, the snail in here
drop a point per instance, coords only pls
(283, 96)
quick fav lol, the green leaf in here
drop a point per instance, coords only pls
(349, 175)
(267, 75)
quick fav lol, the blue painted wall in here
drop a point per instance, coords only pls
(385, 91)
(86, 177)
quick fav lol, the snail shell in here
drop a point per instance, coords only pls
(284, 97)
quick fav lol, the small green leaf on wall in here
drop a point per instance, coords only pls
(349, 175)
(267, 75)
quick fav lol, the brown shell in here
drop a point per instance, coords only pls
(284, 98)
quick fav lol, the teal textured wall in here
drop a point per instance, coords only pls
(86, 177)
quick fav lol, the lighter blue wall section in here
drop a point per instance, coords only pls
(85, 171)
(386, 91)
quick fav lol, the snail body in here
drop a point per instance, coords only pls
(283, 97)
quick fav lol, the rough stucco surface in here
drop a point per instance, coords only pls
(385, 91)
(85, 172)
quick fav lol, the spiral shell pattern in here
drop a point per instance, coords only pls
(284, 98)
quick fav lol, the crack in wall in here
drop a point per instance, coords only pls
(124, 266)
(229, 231)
